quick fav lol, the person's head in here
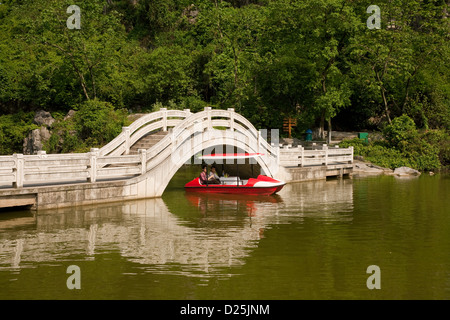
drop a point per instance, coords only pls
(213, 169)
(204, 167)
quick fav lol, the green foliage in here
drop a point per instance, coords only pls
(441, 140)
(401, 132)
(65, 138)
(404, 145)
(94, 124)
(313, 60)
(380, 154)
(13, 129)
(98, 122)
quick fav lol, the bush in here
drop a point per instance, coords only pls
(440, 139)
(65, 138)
(13, 129)
(378, 153)
(93, 125)
(357, 144)
(419, 154)
(98, 123)
(401, 132)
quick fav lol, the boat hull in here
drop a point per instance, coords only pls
(261, 186)
(235, 190)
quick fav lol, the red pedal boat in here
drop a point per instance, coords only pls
(262, 185)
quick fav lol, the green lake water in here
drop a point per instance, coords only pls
(314, 240)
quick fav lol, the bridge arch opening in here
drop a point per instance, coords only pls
(244, 168)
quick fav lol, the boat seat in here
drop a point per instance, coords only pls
(232, 181)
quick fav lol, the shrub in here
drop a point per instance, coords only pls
(401, 132)
(404, 145)
(93, 125)
(98, 123)
(65, 138)
(419, 154)
(13, 129)
(440, 139)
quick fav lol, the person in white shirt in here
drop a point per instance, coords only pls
(213, 176)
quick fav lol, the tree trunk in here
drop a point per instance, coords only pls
(383, 95)
(322, 126)
(386, 108)
(329, 132)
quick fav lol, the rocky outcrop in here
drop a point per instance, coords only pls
(69, 115)
(43, 118)
(35, 140)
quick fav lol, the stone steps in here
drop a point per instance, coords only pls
(148, 141)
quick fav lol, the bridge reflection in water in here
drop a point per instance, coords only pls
(182, 233)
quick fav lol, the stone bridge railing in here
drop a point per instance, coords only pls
(186, 138)
(299, 156)
(77, 167)
(159, 120)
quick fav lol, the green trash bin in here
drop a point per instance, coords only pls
(364, 136)
(308, 135)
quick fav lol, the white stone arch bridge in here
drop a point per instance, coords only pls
(191, 134)
(112, 173)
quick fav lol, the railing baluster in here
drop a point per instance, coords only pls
(19, 169)
(164, 111)
(127, 132)
(351, 148)
(143, 157)
(93, 164)
(300, 147)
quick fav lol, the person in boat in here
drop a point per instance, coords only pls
(213, 176)
(203, 177)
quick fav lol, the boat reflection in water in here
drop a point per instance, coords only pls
(210, 203)
(224, 208)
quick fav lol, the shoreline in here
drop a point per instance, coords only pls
(367, 168)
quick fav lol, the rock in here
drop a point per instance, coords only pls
(43, 118)
(69, 114)
(360, 167)
(406, 171)
(35, 140)
(191, 12)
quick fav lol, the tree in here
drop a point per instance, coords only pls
(233, 40)
(313, 60)
(66, 66)
(305, 49)
(412, 38)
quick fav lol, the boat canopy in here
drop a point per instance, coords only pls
(231, 156)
